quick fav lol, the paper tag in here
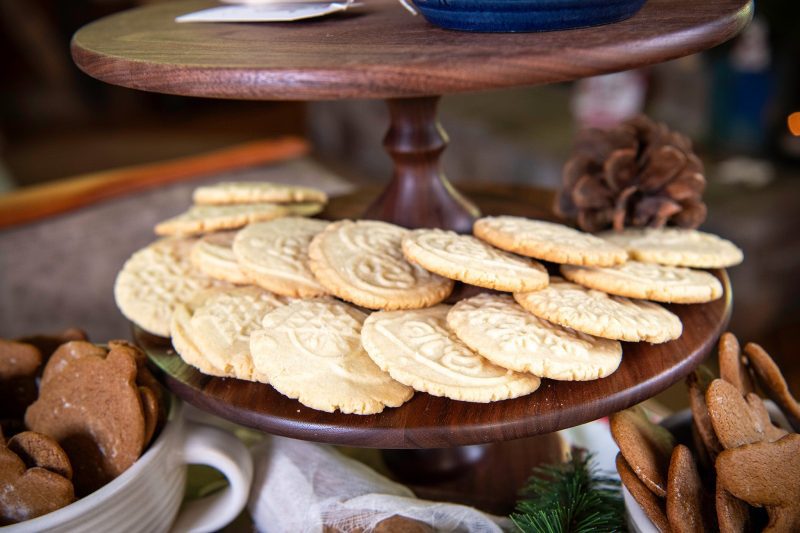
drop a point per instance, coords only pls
(267, 12)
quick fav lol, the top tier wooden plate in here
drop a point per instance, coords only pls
(430, 422)
(380, 51)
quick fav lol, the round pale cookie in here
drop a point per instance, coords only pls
(183, 342)
(305, 209)
(222, 326)
(417, 348)
(157, 278)
(311, 350)
(467, 259)
(498, 328)
(599, 314)
(275, 255)
(201, 219)
(648, 281)
(248, 192)
(676, 247)
(548, 241)
(362, 262)
(213, 256)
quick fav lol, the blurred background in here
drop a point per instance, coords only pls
(740, 103)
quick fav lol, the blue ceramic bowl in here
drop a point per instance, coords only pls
(524, 15)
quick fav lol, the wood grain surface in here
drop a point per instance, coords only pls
(419, 194)
(430, 422)
(380, 51)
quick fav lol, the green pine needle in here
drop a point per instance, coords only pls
(572, 497)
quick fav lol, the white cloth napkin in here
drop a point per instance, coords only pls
(299, 487)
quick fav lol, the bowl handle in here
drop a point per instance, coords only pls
(218, 449)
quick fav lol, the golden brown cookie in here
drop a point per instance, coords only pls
(646, 447)
(548, 241)
(362, 263)
(500, 330)
(151, 392)
(698, 382)
(201, 219)
(731, 364)
(653, 506)
(766, 474)
(676, 247)
(773, 382)
(735, 419)
(247, 192)
(733, 515)
(600, 314)
(26, 493)
(275, 255)
(19, 364)
(417, 348)
(156, 279)
(49, 342)
(37, 449)
(90, 403)
(213, 256)
(467, 259)
(647, 281)
(684, 493)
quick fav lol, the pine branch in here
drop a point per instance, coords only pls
(572, 497)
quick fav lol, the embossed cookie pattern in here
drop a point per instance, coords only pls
(275, 255)
(548, 241)
(418, 349)
(498, 328)
(311, 350)
(467, 259)
(600, 314)
(362, 262)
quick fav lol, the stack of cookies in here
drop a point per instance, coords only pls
(288, 301)
(94, 412)
(738, 462)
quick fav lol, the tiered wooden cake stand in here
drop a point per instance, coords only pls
(380, 51)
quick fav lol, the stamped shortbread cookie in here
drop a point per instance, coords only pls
(157, 278)
(677, 247)
(207, 218)
(600, 314)
(362, 262)
(417, 348)
(275, 255)
(648, 281)
(247, 192)
(311, 350)
(222, 326)
(183, 342)
(498, 328)
(467, 259)
(548, 241)
(303, 209)
(213, 256)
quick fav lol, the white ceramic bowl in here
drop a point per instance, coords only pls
(148, 496)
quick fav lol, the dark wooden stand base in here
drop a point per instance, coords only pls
(488, 476)
(419, 195)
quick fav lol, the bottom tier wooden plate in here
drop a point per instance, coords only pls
(430, 422)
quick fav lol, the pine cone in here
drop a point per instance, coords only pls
(638, 174)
